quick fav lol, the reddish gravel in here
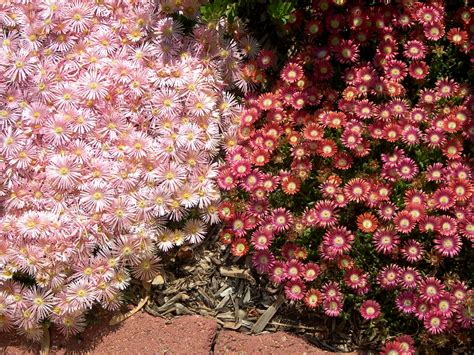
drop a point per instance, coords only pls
(229, 342)
(145, 334)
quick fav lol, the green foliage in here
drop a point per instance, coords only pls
(280, 10)
(216, 9)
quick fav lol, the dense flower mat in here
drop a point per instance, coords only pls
(351, 185)
(345, 172)
(111, 120)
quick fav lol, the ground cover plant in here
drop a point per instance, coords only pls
(351, 184)
(111, 116)
(346, 170)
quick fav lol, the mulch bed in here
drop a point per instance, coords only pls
(208, 281)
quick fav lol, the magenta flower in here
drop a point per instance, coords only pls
(446, 305)
(277, 272)
(338, 239)
(407, 169)
(430, 289)
(406, 302)
(292, 72)
(263, 261)
(357, 190)
(331, 291)
(261, 239)
(332, 307)
(325, 214)
(295, 290)
(370, 309)
(311, 271)
(435, 323)
(385, 240)
(443, 198)
(409, 278)
(392, 347)
(447, 245)
(281, 219)
(412, 250)
(312, 298)
(294, 269)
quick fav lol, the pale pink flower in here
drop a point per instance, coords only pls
(65, 95)
(92, 86)
(70, 323)
(190, 137)
(96, 197)
(171, 176)
(40, 302)
(12, 141)
(21, 66)
(80, 295)
(78, 16)
(199, 104)
(63, 172)
(147, 268)
(120, 213)
(195, 231)
(168, 102)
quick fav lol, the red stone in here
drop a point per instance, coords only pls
(271, 343)
(145, 334)
(140, 334)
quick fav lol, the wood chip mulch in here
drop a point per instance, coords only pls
(207, 280)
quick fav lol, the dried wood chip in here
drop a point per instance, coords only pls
(235, 302)
(237, 273)
(241, 314)
(221, 290)
(151, 311)
(247, 324)
(299, 326)
(268, 315)
(226, 316)
(121, 317)
(216, 261)
(231, 325)
(214, 283)
(168, 304)
(182, 310)
(206, 313)
(228, 291)
(223, 302)
(207, 300)
(158, 280)
(247, 296)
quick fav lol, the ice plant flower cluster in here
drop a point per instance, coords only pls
(111, 116)
(351, 175)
